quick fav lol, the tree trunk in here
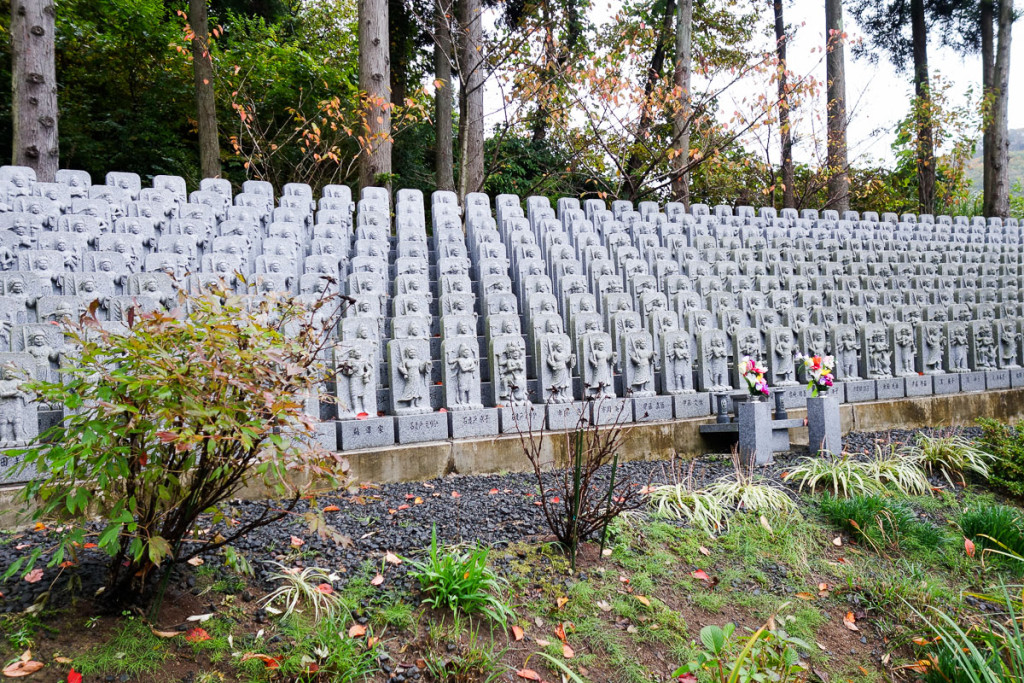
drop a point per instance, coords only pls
(443, 155)
(681, 122)
(540, 117)
(923, 108)
(34, 86)
(206, 105)
(634, 162)
(374, 82)
(785, 133)
(998, 202)
(838, 179)
(471, 99)
(987, 67)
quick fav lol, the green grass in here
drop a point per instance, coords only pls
(881, 523)
(997, 530)
(841, 474)
(133, 650)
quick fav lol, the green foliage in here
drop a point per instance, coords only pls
(889, 466)
(769, 654)
(1006, 443)
(172, 417)
(309, 588)
(842, 474)
(133, 650)
(884, 524)
(460, 581)
(700, 508)
(997, 530)
(992, 652)
(745, 490)
(951, 455)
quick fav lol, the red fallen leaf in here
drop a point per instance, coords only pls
(403, 507)
(492, 492)
(567, 651)
(377, 580)
(392, 511)
(456, 494)
(23, 666)
(556, 500)
(332, 508)
(850, 622)
(34, 576)
(969, 547)
(528, 674)
(197, 635)
(90, 545)
(560, 633)
(357, 631)
(325, 588)
(22, 546)
(687, 678)
(74, 676)
(537, 503)
(296, 541)
(701, 574)
(409, 496)
(517, 633)
(268, 661)
(66, 564)
(362, 416)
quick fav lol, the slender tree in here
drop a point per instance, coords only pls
(206, 104)
(788, 178)
(987, 18)
(444, 153)
(839, 180)
(681, 120)
(471, 98)
(374, 82)
(997, 200)
(923, 110)
(34, 87)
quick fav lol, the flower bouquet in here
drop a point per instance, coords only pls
(754, 375)
(820, 370)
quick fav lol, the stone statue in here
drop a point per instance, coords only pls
(903, 348)
(410, 362)
(844, 341)
(356, 378)
(599, 359)
(878, 355)
(781, 366)
(463, 374)
(1009, 344)
(17, 414)
(982, 346)
(956, 347)
(510, 361)
(677, 368)
(931, 343)
(639, 370)
(713, 361)
(556, 372)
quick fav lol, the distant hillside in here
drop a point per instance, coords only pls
(1016, 160)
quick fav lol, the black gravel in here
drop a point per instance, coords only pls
(398, 518)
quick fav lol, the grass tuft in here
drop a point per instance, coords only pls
(843, 475)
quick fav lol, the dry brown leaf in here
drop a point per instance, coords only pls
(165, 634)
(297, 542)
(704, 551)
(528, 674)
(837, 541)
(517, 633)
(377, 580)
(766, 525)
(195, 561)
(391, 558)
(850, 622)
(24, 666)
(34, 576)
(562, 602)
(805, 596)
(567, 651)
(542, 643)
(642, 600)
(604, 606)
(356, 631)
(62, 660)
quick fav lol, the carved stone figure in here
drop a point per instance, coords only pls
(931, 343)
(599, 358)
(781, 366)
(638, 348)
(877, 359)
(844, 341)
(904, 349)
(410, 376)
(956, 347)
(556, 372)
(677, 367)
(17, 414)
(463, 374)
(356, 378)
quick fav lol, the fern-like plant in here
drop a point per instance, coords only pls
(843, 475)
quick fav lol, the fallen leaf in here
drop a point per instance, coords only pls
(542, 643)
(528, 674)
(391, 558)
(604, 606)
(706, 552)
(332, 508)
(200, 617)
(766, 525)
(822, 586)
(377, 580)
(74, 676)
(918, 640)
(195, 561)
(805, 596)
(687, 678)
(197, 635)
(34, 576)
(456, 494)
(62, 660)
(421, 664)
(562, 602)
(837, 541)
(357, 631)
(418, 501)
(297, 542)
(642, 600)
(24, 666)
(567, 651)
(403, 507)
(268, 661)
(90, 545)
(849, 622)
(492, 492)
(560, 633)
(701, 574)
(607, 552)
(968, 546)
(517, 633)
(325, 588)
(165, 634)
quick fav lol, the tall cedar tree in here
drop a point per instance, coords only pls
(835, 68)
(34, 87)
(206, 103)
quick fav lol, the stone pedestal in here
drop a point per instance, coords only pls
(890, 388)
(860, 391)
(566, 416)
(755, 432)
(521, 418)
(1016, 377)
(918, 385)
(423, 427)
(8, 464)
(652, 408)
(374, 432)
(945, 384)
(824, 431)
(325, 434)
(608, 411)
(691, 405)
(972, 381)
(997, 379)
(464, 424)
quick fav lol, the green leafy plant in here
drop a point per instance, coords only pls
(461, 581)
(306, 588)
(842, 474)
(133, 650)
(950, 455)
(1006, 444)
(744, 489)
(884, 524)
(769, 654)
(992, 652)
(889, 466)
(700, 508)
(171, 417)
(997, 529)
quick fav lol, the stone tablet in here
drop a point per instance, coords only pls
(713, 361)
(598, 360)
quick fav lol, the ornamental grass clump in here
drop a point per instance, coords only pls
(950, 455)
(890, 467)
(842, 474)
(746, 490)
(171, 416)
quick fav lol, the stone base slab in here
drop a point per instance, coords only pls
(972, 381)
(997, 379)
(860, 391)
(608, 411)
(566, 416)
(524, 418)
(890, 388)
(918, 385)
(374, 432)
(946, 384)
(465, 424)
(691, 405)
(652, 408)
(418, 428)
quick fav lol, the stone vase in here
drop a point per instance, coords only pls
(823, 427)
(755, 432)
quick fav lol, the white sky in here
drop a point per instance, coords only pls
(880, 95)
